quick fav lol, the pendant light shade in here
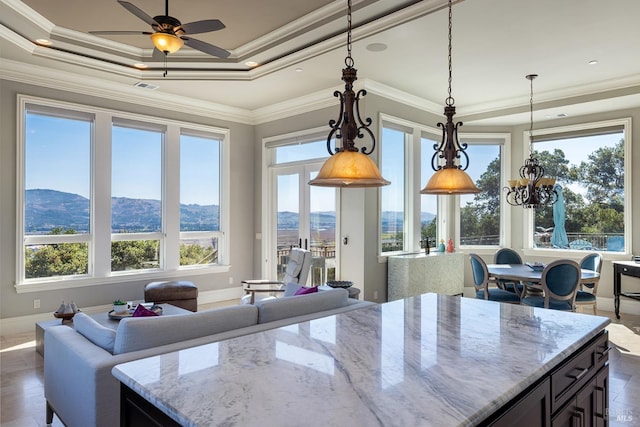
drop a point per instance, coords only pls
(349, 166)
(349, 169)
(450, 181)
(450, 178)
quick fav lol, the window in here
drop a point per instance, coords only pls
(57, 199)
(105, 194)
(589, 163)
(199, 199)
(480, 213)
(136, 198)
(408, 219)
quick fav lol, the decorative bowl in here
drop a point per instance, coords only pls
(339, 283)
(63, 316)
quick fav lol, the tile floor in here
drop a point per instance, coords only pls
(22, 401)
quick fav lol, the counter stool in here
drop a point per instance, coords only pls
(179, 293)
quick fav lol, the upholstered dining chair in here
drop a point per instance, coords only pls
(481, 283)
(508, 256)
(560, 280)
(586, 294)
(296, 271)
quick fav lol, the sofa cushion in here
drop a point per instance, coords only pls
(304, 290)
(145, 332)
(93, 331)
(291, 289)
(282, 308)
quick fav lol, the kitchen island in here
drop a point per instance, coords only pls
(426, 360)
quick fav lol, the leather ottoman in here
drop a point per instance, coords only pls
(179, 293)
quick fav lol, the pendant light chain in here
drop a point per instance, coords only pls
(450, 101)
(531, 77)
(348, 61)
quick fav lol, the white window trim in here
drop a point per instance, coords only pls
(101, 274)
(527, 237)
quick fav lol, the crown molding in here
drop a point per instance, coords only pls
(402, 97)
(70, 82)
(38, 20)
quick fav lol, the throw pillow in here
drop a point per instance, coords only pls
(142, 311)
(303, 290)
(93, 331)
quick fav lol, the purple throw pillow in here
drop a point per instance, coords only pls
(142, 311)
(304, 290)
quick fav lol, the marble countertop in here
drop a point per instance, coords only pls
(427, 360)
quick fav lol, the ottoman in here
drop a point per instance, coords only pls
(179, 293)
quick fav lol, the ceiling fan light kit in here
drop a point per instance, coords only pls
(167, 43)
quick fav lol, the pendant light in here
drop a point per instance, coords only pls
(348, 166)
(450, 178)
(532, 190)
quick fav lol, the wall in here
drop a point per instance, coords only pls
(241, 194)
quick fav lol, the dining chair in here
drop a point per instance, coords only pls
(481, 283)
(586, 294)
(560, 280)
(508, 256)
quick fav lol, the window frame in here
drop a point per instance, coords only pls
(528, 230)
(99, 237)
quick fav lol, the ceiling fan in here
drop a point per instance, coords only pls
(170, 34)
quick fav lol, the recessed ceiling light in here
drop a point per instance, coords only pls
(376, 47)
(141, 66)
(44, 42)
(250, 63)
(593, 62)
(298, 70)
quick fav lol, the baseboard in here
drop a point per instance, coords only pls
(24, 324)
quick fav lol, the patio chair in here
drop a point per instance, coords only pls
(481, 283)
(581, 244)
(560, 280)
(586, 294)
(296, 271)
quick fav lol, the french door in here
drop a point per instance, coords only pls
(302, 216)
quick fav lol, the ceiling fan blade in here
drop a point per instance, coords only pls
(206, 47)
(202, 26)
(118, 33)
(158, 55)
(138, 12)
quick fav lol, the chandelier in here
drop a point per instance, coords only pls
(450, 178)
(349, 166)
(532, 190)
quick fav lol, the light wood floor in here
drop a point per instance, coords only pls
(22, 401)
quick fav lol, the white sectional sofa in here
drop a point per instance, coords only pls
(78, 383)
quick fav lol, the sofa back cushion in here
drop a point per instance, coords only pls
(138, 333)
(94, 331)
(299, 305)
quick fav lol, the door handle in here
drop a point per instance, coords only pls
(306, 244)
(300, 242)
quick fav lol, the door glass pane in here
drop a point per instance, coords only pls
(322, 218)
(287, 218)
(428, 202)
(393, 206)
(297, 152)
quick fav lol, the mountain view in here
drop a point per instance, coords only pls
(46, 209)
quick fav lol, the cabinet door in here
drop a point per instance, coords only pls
(532, 410)
(586, 404)
(602, 397)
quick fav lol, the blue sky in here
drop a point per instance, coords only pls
(58, 157)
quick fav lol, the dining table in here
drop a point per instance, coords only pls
(531, 278)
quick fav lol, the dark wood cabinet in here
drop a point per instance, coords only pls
(575, 394)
